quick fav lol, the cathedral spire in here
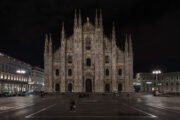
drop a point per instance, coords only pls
(96, 20)
(100, 20)
(130, 45)
(46, 44)
(62, 35)
(62, 32)
(113, 32)
(75, 20)
(79, 19)
(126, 45)
(50, 45)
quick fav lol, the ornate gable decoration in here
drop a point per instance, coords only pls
(88, 27)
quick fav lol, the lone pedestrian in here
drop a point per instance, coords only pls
(72, 106)
(42, 94)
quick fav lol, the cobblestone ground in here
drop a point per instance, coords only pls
(97, 107)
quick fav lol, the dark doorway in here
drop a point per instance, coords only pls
(88, 85)
(69, 87)
(57, 88)
(107, 87)
(119, 87)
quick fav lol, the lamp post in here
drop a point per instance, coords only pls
(156, 82)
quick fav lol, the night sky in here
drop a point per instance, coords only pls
(154, 24)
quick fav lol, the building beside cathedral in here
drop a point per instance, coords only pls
(88, 61)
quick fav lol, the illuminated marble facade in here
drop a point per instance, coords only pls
(88, 61)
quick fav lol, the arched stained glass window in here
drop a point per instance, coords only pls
(69, 72)
(88, 43)
(88, 62)
(107, 72)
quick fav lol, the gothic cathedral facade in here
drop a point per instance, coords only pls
(88, 61)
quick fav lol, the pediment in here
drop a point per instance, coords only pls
(88, 27)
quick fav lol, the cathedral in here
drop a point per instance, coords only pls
(88, 61)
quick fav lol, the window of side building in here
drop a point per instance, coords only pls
(177, 86)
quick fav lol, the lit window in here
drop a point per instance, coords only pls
(9, 77)
(1, 76)
(29, 79)
(5, 77)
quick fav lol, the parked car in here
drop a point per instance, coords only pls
(22, 93)
(6, 94)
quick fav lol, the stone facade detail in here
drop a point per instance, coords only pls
(88, 61)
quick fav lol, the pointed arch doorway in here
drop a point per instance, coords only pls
(88, 85)
(70, 87)
(107, 87)
(57, 87)
(119, 87)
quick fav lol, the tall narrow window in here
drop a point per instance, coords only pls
(3, 68)
(106, 59)
(57, 72)
(88, 62)
(69, 72)
(107, 72)
(177, 86)
(88, 43)
(69, 59)
(119, 72)
(177, 83)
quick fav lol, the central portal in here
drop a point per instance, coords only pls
(88, 85)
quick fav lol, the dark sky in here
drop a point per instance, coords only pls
(154, 24)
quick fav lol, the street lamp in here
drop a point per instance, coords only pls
(156, 72)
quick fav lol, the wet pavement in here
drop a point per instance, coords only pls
(106, 107)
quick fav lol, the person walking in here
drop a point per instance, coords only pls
(72, 106)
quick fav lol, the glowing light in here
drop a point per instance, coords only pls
(5, 77)
(1, 54)
(156, 72)
(152, 88)
(21, 71)
(1, 76)
(159, 84)
(148, 83)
